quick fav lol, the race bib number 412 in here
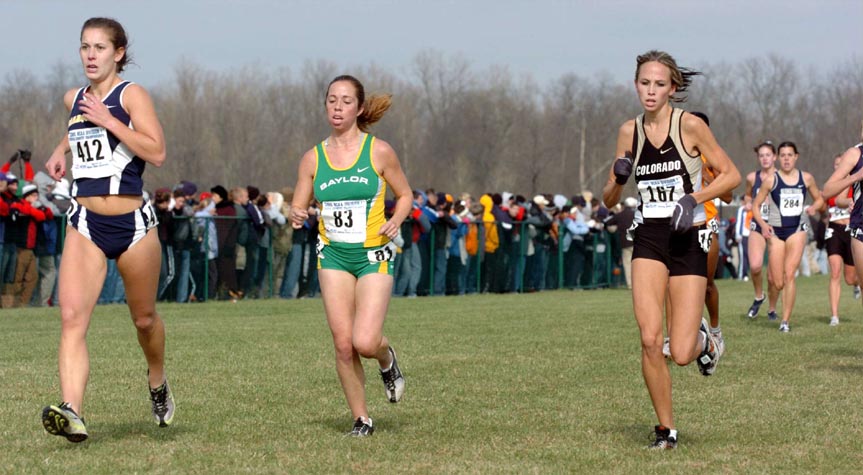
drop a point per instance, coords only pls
(91, 153)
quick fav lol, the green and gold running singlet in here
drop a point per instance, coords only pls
(352, 200)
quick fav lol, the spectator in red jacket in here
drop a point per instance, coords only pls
(27, 213)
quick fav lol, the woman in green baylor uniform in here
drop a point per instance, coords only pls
(348, 174)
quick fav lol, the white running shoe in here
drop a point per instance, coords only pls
(708, 358)
(394, 382)
(63, 421)
(720, 342)
(834, 321)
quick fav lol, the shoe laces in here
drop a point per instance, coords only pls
(359, 425)
(159, 396)
(661, 440)
(390, 380)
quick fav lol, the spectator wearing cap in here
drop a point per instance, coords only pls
(227, 229)
(29, 214)
(9, 256)
(580, 212)
(206, 250)
(474, 247)
(182, 241)
(538, 226)
(441, 231)
(515, 207)
(281, 232)
(572, 244)
(190, 190)
(424, 244)
(259, 284)
(47, 241)
(456, 268)
(162, 198)
(250, 233)
(411, 270)
(499, 277)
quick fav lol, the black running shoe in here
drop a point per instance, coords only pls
(394, 382)
(663, 439)
(771, 315)
(362, 428)
(756, 305)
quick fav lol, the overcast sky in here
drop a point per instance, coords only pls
(543, 38)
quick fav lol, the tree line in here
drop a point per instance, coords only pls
(455, 128)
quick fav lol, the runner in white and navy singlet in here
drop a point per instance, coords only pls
(106, 166)
(112, 131)
(786, 224)
(756, 244)
(786, 207)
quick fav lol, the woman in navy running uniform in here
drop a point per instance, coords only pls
(113, 131)
(757, 245)
(663, 147)
(786, 225)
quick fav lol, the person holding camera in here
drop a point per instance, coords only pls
(27, 213)
(24, 165)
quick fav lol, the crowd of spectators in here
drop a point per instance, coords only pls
(233, 244)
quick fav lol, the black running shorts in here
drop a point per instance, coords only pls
(838, 242)
(682, 254)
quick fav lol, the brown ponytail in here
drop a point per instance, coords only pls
(373, 109)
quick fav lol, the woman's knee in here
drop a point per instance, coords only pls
(73, 318)
(367, 346)
(145, 321)
(651, 343)
(344, 350)
(777, 283)
(682, 355)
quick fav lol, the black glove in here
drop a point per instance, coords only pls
(622, 169)
(14, 158)
(684, 210)
(25, 155)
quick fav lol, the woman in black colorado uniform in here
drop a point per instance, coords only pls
(663, 146)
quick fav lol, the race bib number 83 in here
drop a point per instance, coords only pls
(345, 221)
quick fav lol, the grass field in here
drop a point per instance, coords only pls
(538, 383)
